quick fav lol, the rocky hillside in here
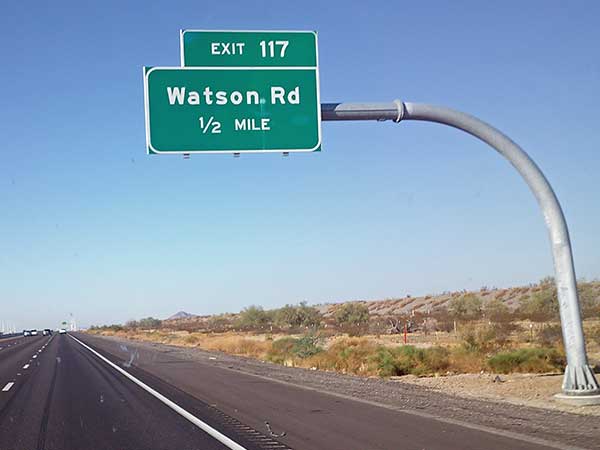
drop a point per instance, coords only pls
(405, 306)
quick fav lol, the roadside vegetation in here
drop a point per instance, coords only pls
(469, 332)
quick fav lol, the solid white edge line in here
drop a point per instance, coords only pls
(171, 404)
(8, 386)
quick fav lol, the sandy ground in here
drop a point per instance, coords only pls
(520, 389)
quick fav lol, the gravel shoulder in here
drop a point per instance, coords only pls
(514, 404)
(536, 390)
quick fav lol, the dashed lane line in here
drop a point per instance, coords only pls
(8, 386)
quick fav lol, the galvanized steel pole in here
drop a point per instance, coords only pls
(579, 384)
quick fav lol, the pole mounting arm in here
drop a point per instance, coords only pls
(579, 383)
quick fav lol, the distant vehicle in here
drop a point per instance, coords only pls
(62, 331)
(47, 332)
(26, 333)
(34, 332)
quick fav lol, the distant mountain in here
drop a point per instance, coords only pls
(181, 315)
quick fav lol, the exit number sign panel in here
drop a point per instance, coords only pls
(248, 48)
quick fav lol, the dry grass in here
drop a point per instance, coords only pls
(438, 353)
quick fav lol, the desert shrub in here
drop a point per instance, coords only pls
(593, 334)
(530, 360)
(407, 359)
(465, 307)
(191, 339)
(219, 323)
(359, 356)
(352, 314)
(254, 318)
(385, 362)
(237, 345)
(149, 323)
(485, 337)
(300, 315)
(541, 306)
(131, 324)
(352, 318)
(307, 346)
(443, 320)
(290, 348)
(589, 300)
(463, 360)
(352, 355)
(496, 310)
(549, 336)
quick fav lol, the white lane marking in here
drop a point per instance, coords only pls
(8, 386)
(34, 356)
(171, 404)
(26, 366)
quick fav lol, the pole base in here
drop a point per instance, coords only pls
(578, 400)
(580, 381)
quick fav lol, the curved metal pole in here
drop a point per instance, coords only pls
(579, 380)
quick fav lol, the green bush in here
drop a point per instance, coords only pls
(485, 337)
(352, 314)
(496, 310)
(529, 360)
(542, 306)
(289, 348)
(254, 318)
(465, 307)
(301, 315)
(149, 323)
(407, 359)
(306, 347)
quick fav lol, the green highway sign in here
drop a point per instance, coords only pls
(248, 48)
(201, 110)
(236, 92)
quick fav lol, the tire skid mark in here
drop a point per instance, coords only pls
(112, 378)
(44, 425)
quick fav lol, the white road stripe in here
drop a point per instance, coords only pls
(26, 366)
(171, 404)
(8, 386)
(34, 356)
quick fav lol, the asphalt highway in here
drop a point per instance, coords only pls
(80, 392)
(57, 395)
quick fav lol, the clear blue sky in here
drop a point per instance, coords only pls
(93, 226)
